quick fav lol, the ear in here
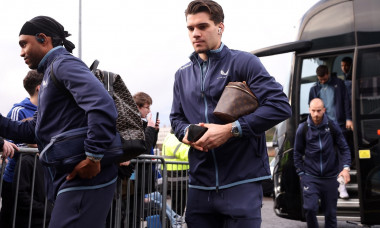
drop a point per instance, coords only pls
(221, 28)
(41, 38)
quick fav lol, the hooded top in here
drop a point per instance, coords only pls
(22, 110)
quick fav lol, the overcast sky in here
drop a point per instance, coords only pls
(145, 41)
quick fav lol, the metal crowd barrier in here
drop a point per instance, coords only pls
(141, 200)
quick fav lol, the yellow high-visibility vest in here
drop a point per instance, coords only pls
(174, 150)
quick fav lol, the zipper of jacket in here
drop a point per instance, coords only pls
(203, 79)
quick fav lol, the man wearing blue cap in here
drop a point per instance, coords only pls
(82, 196)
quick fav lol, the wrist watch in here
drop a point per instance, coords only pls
(94, 159)
(235, 130)
(347, 168)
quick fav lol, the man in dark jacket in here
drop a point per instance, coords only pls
(317, 164)
(145, 171)
(228, 162)
(83, 195)
(336, 99)
(333, 92)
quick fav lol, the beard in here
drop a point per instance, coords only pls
(201, 50)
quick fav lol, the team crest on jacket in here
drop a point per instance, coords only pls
(44, 83)
(224, 73)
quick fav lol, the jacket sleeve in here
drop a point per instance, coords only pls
(17, 114)
(1, 143)
(91, 96)
(273, 103)
(150, 138)
(183, 152)
(347, 102)
(18, 131)
(299, 150)
(344, 149)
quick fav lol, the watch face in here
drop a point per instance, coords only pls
(235, 131)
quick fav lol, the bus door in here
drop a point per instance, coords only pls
(367, 124)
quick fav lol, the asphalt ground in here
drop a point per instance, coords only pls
(271, 220)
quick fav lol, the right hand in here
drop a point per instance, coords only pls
(9, 149)
(151, 123)
(85, 169)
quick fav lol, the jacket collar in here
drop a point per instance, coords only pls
(49, 57)
(212, 54)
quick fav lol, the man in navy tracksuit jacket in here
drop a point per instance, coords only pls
(228, 162)
(317, 163)
(82, 197)
(340, 105)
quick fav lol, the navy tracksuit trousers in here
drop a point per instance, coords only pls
(325, 189)
(234, 207)
(82, 208)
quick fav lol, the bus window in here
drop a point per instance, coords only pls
(308, 78)
(368, 99)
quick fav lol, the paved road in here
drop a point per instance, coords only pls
(270, 220)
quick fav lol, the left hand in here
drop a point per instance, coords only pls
(86, 169)
(126, 163)
(215, 136)
(9, 149)
(349, 125)
(346, 175)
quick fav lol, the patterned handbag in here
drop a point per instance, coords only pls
(237, 100)
(128, 123)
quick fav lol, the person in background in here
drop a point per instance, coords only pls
(333, 92)
(175, 151)
(145, 175)
(346, 66)
(20, 111)
(26, 185)
(82, 196)
(228, 162)
(318, 168)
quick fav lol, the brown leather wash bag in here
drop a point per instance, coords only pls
(237, 100)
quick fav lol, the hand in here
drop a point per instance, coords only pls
(151, 123)
(126, 163)
(157, 124)
(9, 149)
(86, 169)
(349, 125)
(215, 136)
(184, 140)
(346, 175)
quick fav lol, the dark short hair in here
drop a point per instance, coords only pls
(208, 6)
(141, 99)
(347, 60)
(322, 70)
(32, 80)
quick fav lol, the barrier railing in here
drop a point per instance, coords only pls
(140, 200)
